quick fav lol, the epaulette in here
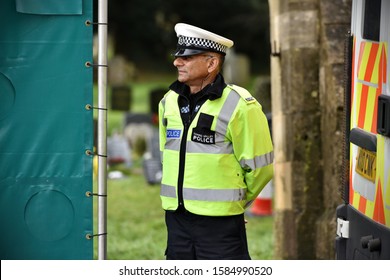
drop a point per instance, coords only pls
(243, 93)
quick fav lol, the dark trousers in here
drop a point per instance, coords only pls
(195, 237)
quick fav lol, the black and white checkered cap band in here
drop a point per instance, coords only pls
(193, 42)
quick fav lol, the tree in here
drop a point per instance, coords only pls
(144, 30)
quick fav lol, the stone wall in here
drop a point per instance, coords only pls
(335, 18)
(307, 38)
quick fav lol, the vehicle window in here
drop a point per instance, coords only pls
(372, 20)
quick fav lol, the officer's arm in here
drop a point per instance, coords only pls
(253, 147)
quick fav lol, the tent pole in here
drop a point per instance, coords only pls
(102, 129)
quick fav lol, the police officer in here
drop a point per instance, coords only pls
(217, 153)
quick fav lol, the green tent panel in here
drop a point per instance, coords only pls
(45, 129)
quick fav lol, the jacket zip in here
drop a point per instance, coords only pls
(182, 160)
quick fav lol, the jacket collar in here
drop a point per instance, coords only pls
(213, 90)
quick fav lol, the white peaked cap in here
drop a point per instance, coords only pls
(193, 40)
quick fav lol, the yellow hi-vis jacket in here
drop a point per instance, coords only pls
(226, 167)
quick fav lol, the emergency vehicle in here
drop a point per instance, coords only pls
(363, 220)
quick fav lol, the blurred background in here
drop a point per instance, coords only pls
(141, 40)
(297, 46)
(143, 31)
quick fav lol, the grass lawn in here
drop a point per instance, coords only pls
(136, 228)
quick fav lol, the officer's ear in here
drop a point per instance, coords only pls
(213, 64)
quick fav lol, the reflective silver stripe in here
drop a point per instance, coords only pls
(225, 115)
(164, 120)
(168, 191)
(214, 194)
(368, 84)
(205, 194)
(172, 144)
(220, 146)
(257, 162)
(163, 102)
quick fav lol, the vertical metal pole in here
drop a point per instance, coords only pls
(102, 129)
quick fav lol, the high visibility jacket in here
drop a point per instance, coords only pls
(224, 156)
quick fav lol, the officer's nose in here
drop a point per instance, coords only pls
(178, 61)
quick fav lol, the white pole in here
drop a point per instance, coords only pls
(102, 129)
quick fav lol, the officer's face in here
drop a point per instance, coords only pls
(194, 69)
